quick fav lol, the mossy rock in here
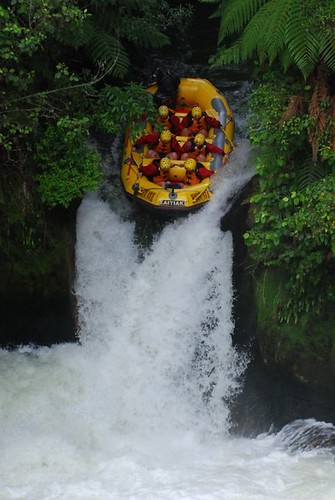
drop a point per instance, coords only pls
(306, 348)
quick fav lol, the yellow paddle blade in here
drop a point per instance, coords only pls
(146, 161)
(182, 138)
(212, 113)
(137, 157)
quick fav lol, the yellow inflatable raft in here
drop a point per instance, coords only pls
(177, 189)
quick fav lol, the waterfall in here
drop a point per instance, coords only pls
(164, 319)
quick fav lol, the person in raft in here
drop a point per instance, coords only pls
(168, 119)
(195, 172)
(191, 173)
(170, 175)
(198, 148)
(150, 170)
(157, 171)
(197, 121)
(162, 176)
(163, 144)
(168, 84)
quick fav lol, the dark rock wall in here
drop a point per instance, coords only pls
(39, 308)
(291, 371)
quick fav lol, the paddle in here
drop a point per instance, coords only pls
(137, 158)
(200, 193)
(214, 114)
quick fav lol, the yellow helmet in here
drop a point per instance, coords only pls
(177, 173)
(196, 112)
(199, 139)
(165, 164)
(165, 136)
(190, 164)
(163, 111)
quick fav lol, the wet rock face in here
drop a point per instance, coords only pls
(272, 398)
(34, 320)
(39, 308)
(236, 221)
(281, 383)
(304, 350)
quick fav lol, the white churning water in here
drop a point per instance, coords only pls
(138, 410)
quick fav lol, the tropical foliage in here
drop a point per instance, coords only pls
(111, 26)
(294, 32)
(59, 62)
(31, 77)
(294, 207)
(292, 131)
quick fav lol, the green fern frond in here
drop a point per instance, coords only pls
(278, 29)
(227, 56)
(305, 52)
(86, 33)
(302, 44)
(107, 50)
(286, 59)
(327, 49)
(270, 153)
(309, 172)
(144, 34)
(254, 34)
(278, 13)
(236, 14)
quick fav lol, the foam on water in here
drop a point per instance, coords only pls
(139, 409)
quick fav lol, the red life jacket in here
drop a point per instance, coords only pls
(198, 124)
(213, 148)
(149, 170)
(162, 177)
(204, 172)
(205, 150)
(166, 122)
(196, 150)
(204, 122)
(150, 138)
(171, 122)
(191, 178)
(163, 147)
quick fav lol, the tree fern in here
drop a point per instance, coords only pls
(286, 59)
(327, 49)
(275, 30)
(279, 13)
(143, 33)
(227, 56)
(302, 43)
(309, 172)
(107, 50)
(253, 38)
(236, 14)
(270, 154)
(115, 25)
